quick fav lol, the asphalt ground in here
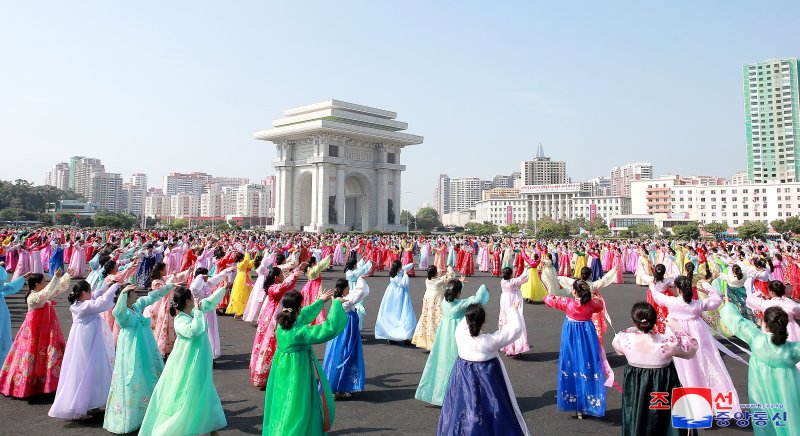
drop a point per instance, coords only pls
(387, 406)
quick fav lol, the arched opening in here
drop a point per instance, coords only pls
(303, 200)
(356, 204)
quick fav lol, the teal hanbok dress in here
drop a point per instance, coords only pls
(436, 375)
(772, 376)
(185, 401)
(9, 288)
(137, 366)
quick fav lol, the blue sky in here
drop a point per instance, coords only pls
(182, 85)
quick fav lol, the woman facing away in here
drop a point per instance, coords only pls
(33, 365)
(649, 369)
(240, 291)
(396, 318)
(344, 356)
(138, 362)
(431, 315)
(89, 356)
(510, 295)
(292, 404)
(480, 399)
(772, 374)
(314, 284)
(777, 293)
(436, 375)
(185, 400)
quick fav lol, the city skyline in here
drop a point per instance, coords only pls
(188, 94)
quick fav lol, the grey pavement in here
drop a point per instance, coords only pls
(393, 371)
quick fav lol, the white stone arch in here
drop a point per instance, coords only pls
(304, 196)
(358, 201)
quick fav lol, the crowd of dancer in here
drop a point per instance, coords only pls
(142, 298)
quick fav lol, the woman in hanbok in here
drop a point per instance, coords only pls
(483, 257)
(292, 404)
(431, 315)
(480, 399)
(595, 264)
(581, 371)
(451, 255)
(644, 267)
(616, 263)
(663, 285)
(496, 261)
(256, 300)
(396, 319)
(735, 290)
(78, 261)
(185, 401)
(23, 265)
(344, 357)
(89, 356)
(550, 276)
(468, 260)
(579, 260)
(33, 364)
(338, 253)
(240, 291)
(148, 260)
(778, 298)
(650, 369)
(632, 261)
(7, 289)
(314, 284)
(772, 374)
(276, 286)
(408, 256)
(511, 294)
(138, 362)
(433, 383)
(707, 368)
(424, 253)
(777, 267)
(533, 290)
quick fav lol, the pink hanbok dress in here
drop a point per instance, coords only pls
(511, 294)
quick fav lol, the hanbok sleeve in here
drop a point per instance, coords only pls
(153, 296)
(523, 278)
(508, 333)
(288, 283)
(663, 300)
(310, 312)
(560, 303)
(333, 325)
(210, 303)
(3, 275)
(755, 302)
(620, 343)
(104, 301)
(606, 280)
(407, 267)
(121, 312)
(742, 328)
(357, 294)
(565, 282)
(480, 297)
(13, 286)
(195, 327)
(681, 345)
(317, 269)
(714, 299)
(364, 269)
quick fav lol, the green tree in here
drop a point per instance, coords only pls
(404, 217)
(602, 232)
(46, 219)
(686, 231)
(480, 229)
(642, 230)
(223, 227)
(85, 221)
(179, 224)
(547, 228)
(17, 214)
(511, 228)
(716, 229)
(65, 219)
(428, 218)
(752, 230)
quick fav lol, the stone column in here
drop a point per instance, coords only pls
(287, 199)
(381, 194)
(340, 195)
(278, 192)
(322, 196)
(314, 194)
(397, 197)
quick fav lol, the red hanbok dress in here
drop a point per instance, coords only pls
(467, 261)
(496, 262)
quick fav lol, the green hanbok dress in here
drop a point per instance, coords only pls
(137, 366)
(772, 376)
(185, 401)
(292, 405)
(436, 375)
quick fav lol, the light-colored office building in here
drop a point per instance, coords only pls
(622, 176)
(58, 176)
(543, 171)
(503, 211)
(604, 207)
(191, 183)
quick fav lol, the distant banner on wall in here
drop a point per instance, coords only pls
(509, 209)
(592, 212)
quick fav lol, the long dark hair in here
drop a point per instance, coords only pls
(586, 273)
(475, 317)
(77, 289)
(432, 272)
(583, 290)
(507, 273)
(777, 320)
(396, 265)
(311, 262)
(33, 280)
(291, 307)
(351, 265)
(684, 284)
(180, 296)
(658, 273)
(158, 268)
(737, 271)
(108, 267)
(644, 316)
(452, 290)
(690, 269)
(269, 280)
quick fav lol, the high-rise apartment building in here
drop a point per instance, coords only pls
(501, 181)
(58, 176)
(772, 120)
(442, 195)
(269, 182)
(80, 174)
(622, 176)
(156, 204)
(192, 183)
(543, 171)
(464, 193)
(105, 189)
(134, 192)
(252, 201)
(598, 186)
(184, 205)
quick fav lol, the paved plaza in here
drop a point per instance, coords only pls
(393, 371)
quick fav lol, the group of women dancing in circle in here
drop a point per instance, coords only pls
(145, 331)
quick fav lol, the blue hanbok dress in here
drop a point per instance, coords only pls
(56, 259)
(396, 318)
(9, 288)
(344, 356)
